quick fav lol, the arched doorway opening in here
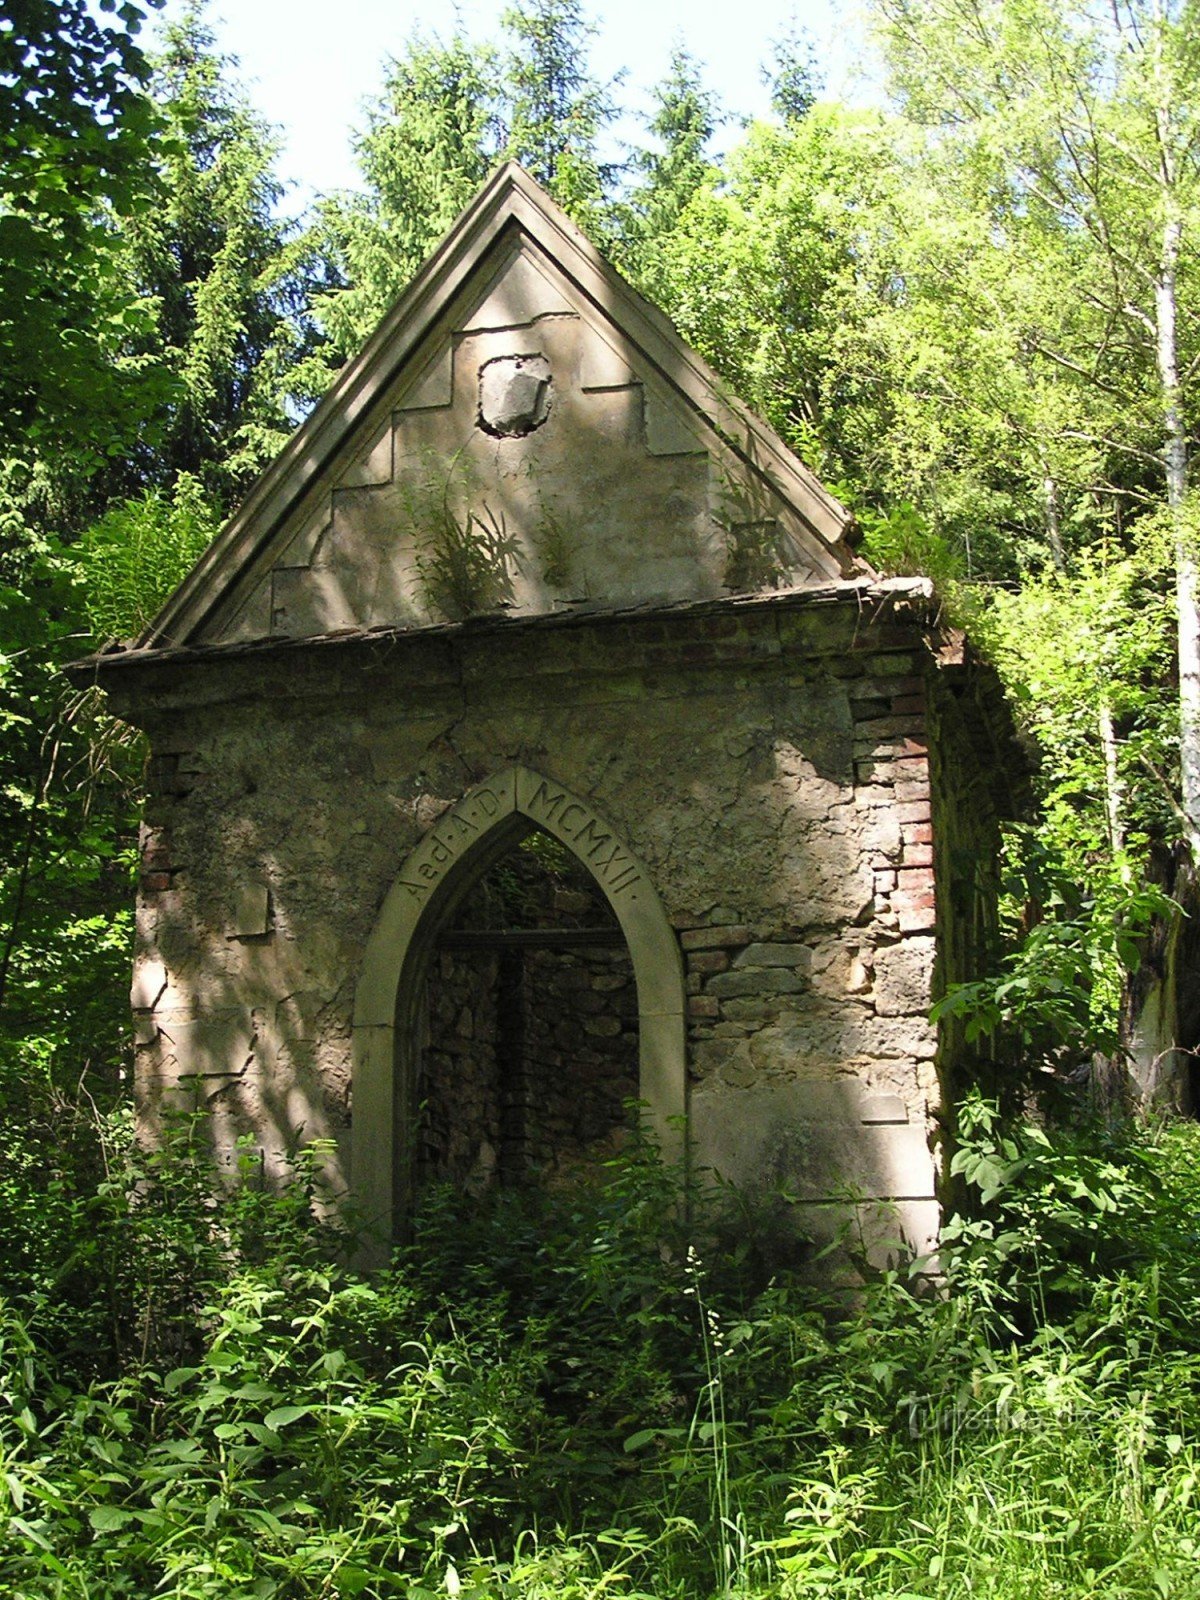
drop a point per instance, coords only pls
(433, 885)
(529, 1054)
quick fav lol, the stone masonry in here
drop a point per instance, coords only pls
(767, 765)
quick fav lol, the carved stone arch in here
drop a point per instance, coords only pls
(460, 847)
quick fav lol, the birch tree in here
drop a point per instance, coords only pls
(1089, 118)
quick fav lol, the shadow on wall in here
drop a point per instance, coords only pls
(774, 818)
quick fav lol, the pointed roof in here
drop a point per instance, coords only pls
(516, 288)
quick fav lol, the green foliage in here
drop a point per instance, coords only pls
(949, 312)
(465, 554)
(551, 1393)
(431, 138)
(684, 120)
(772, 268)
(226, 277)
(554, 108)
(899, 541)
(75, 140)
(138, 553)
(1057, 993)
(792, 74)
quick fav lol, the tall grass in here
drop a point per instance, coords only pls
(568, 1393)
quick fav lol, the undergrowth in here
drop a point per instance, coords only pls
(575, 1393)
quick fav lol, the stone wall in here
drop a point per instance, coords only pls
(580, 1051)
(529, 1058)
(459, 1090)
(766, 760)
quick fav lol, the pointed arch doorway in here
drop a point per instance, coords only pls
(456, 853)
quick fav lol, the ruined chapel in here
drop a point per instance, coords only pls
(532, 744)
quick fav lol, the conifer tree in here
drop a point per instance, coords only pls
(431, 138)
(447, 114)
(554, 108)
(683, 122)
(226, 279)
(791, 74)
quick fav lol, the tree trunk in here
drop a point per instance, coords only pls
(1158, 1065)
(1053, 511)
(1114, 797)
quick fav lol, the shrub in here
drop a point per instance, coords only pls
(584, 1390)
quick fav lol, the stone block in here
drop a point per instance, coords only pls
(904, 977)
(888, 729)
(149, 983)
(913, 811)
(916, 909)
(523, 293)
(750, 1010)
(871, 772)
(515, 394)
(810, 1137)
(667, 432)
(881, 835)
(707, 960)
(155, 850)
(890, 666)
(715, 938)
(602, 1027)
(753, 981)
(373, 466)
(884, 1108)
(883, 1232)
(915, 877)
(723, 916)
(867, 710)
(911, 769)
(251, 914)
(434, 385)
(834, 1036)
(774, 955)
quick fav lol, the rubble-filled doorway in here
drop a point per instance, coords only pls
(529, 1057)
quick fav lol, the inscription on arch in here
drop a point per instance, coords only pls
(450, 837)
(548, 804)
(578, 825)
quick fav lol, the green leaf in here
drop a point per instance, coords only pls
(107, 1519)
(282, 1416)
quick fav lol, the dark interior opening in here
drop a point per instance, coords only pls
(529, 1054)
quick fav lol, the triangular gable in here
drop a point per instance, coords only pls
(523, 433)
